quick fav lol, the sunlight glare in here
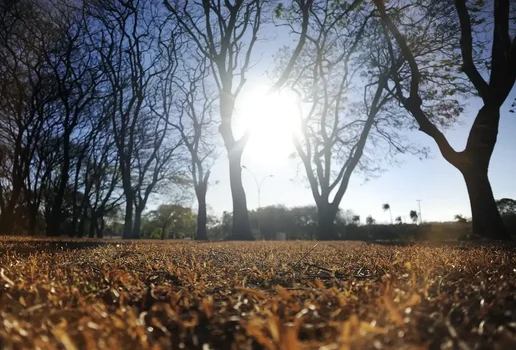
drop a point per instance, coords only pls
(272, 118)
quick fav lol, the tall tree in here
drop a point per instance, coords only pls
(425, 36)
(27, 90)
(337, 123)
(75, 71)
(137, 46)
(226, 33)
(194, 105)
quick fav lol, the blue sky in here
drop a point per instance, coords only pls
(438, 184)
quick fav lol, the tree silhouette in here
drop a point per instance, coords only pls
(506, 206)
(336, 129)
(431, 77)
(398, 220)
(461, 219)
(227, 34)
(356, 219)
(386, 207)
(370, 220)
(413, 216)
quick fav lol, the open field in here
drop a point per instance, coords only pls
(274, 295)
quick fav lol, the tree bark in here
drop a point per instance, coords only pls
(93, 223)
(128, 220)
(486, 219)
(202, 216)
(137, 222)
(53, 227)
(8, 215)
(326, 222)
(241, 229)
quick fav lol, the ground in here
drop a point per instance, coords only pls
(273, 295)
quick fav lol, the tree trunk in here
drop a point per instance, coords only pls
(82, 222)
(326, 222)
(241, 229)
(7, 221)
(33, 219)
(93, 223)
(486, 220)
(53, 227)
(8, 215)
(101, 227)
(128, 220)
(137, 222)
(202, 216)
(474, 165)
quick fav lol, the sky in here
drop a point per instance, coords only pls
(438, 185)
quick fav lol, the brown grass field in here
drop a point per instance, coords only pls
(260, 295)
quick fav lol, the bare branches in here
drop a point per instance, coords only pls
(467, 50)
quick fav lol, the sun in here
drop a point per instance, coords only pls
(272, 119)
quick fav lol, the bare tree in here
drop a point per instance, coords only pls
(427, 37)
(335, 124)
(194, 104)
(226, 34)
(75, 73)
(137, 45)
(27, 91)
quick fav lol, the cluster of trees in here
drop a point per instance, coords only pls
(107, 103)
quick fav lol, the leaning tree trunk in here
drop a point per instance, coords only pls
(202, 216)
(241, 229)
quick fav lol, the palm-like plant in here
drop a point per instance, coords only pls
(398, 220)
(356, 219)
(386, 207)
(414, 216)
(370, 220)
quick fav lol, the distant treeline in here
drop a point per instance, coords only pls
(300, 223)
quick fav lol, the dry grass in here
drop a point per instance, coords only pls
(275, 295)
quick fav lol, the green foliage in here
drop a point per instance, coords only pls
(169, 221)
(506, 206)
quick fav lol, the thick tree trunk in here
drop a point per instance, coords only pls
(33, 217)
(137, 222)
(241, 229)
(326, 222)
(128, 220)
(473, 163)
(486, 219)
(7, 221)
(202, 216)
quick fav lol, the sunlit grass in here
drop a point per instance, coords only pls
(275, 295)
